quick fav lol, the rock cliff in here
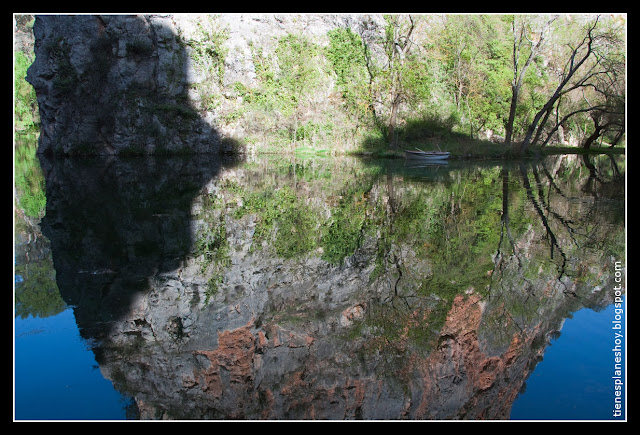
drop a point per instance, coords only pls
(155, 84)
(114, 85)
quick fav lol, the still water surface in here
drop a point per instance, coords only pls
(320, 288)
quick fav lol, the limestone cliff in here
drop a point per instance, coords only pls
(157, 84)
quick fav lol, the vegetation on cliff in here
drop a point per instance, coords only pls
(471, 84)
(462, 83)
(25, 113)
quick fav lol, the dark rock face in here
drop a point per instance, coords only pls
(153, 84)
(114, 85)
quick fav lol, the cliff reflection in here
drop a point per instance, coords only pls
(115, 223)
(329, 288)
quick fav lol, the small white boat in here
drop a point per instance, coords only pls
(426, 155)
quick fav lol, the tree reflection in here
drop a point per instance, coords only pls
(445, 299)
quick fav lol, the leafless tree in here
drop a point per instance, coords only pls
(588, 63)
(522, 38)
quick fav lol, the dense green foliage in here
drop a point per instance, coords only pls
(36, 292)
(348, 58)
(437, 79)
(428, 241)
(25, 105)
(209, 51)
(476, 66)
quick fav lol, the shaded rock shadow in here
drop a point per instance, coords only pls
(123, 152)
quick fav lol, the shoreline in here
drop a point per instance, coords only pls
(464, 151)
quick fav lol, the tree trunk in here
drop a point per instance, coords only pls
(591, 139)
(392, 122)
(572, 68)
(516, 85)
(512, 115)
(532, 127)
(542, 124)
(617, 138)
(398, 50)
(595, 135)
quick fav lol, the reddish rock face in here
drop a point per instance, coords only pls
(458, 358)
(455, 380)
(235, 357)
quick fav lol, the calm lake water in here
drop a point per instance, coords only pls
(318, 288)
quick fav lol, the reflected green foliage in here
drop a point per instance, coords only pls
(341, 236)
(463, 238)
(28, 178)
(212, 247)
(504, 233)
(281, 212)
(296, 226)
(212, 244)
(36, 293)
(343, 231)
(400, 267)
(456, 224)
(293, 226)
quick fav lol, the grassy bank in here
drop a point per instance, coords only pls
(487, 150)
(468, 149)
(434, 135)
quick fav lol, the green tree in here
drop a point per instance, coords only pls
(397, 44)
(347, 55)
(28, 177)
(299, 74)
(473, 53)
(37, 293)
